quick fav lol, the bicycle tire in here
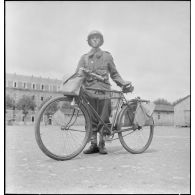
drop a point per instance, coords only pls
(127, 143)
(41, 142)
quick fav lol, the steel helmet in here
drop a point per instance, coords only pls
(95, 32)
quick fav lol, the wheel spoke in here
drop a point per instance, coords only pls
(134, 141)
(64, 130)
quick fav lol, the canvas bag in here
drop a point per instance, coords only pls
(72, 85)
(143, 114)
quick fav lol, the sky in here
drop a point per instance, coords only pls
(149, 41)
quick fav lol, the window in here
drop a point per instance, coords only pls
(15, 84)
(42, 87)
(158, 115)
(33, 86)
(41, 98)
(33, 118)
(24, 85)
(50, 121)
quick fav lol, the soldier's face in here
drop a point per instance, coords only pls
(95, 41)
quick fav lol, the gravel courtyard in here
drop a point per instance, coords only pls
(163, 168)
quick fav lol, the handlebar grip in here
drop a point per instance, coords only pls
(139, 100)
(144, 101)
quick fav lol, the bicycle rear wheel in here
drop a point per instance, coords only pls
(134, 141)
(61, 129)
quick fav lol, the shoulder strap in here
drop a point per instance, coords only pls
(69, 78)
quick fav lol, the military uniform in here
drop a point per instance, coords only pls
(101, 63)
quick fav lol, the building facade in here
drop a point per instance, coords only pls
(38, 88)
(182, 113)
(163, 115)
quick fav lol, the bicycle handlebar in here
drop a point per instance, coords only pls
(139, 100)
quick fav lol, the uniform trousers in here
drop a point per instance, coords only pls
(102, 107)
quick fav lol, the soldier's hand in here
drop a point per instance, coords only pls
(127, 87)
(85, 70)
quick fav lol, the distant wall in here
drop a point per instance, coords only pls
(163, 118)
(182, 113)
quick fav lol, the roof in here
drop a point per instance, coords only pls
(181, 100)
(164, 108)
(31, 79)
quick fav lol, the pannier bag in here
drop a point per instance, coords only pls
(72, 85)
(143, 114)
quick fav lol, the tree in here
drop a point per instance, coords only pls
(49, 110)
(55, 106)
(26, 104)
(10, 102)
(43, 102)
(162, 101)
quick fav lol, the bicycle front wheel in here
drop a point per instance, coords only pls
(62, 128)
(134, 141)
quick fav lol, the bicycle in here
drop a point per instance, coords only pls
(62, 127)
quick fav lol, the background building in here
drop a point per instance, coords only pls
(38, 88)
(182, 112)
(163, 115)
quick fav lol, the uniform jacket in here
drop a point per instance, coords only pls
(101, 63)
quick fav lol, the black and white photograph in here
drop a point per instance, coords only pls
(97, 97)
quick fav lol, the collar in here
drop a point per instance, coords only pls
(95, 51)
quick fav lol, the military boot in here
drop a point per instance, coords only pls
(93, 147)
(102, 149)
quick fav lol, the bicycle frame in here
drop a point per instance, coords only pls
(120, 98)
(69, 131)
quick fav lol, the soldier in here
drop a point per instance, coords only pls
(101, 63)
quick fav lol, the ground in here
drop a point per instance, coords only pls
(163, 168)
